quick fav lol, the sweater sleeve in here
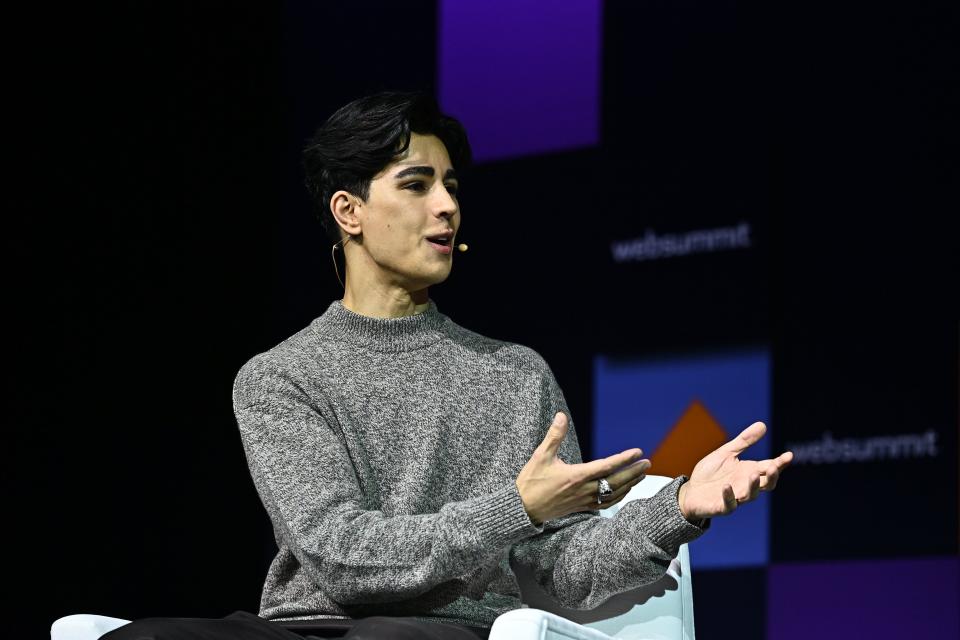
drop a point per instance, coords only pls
(353, 552)
(583, 559)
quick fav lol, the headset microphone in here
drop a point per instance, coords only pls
(462, 247)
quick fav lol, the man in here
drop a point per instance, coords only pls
(405, 461)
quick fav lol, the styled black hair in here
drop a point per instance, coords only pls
(363, 137)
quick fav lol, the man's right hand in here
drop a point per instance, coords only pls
(551, 488)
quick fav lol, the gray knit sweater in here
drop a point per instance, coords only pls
(386, 450)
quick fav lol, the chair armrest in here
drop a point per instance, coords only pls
(84, 626)
(536, 624)
(661, 609)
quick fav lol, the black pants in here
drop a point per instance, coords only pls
(246, 626)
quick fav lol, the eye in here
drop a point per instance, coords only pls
(415, 186)
(452, 188)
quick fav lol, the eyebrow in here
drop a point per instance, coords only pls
(424, 171)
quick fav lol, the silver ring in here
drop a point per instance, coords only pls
(603, 490)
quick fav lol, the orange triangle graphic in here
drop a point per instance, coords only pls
(695, 434)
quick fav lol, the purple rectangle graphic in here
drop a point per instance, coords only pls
(522, 75)
(876, 599)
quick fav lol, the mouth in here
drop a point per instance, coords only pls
(441, 241)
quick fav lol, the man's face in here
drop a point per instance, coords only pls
(410, 201)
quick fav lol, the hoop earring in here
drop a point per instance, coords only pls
(333, 255)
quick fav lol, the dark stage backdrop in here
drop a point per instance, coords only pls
(701, 214)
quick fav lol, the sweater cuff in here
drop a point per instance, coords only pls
(501, 520)
(666, 526)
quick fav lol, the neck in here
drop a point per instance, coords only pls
(384, 301)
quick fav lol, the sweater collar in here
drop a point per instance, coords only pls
(380, 334)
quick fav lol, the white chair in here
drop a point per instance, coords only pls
(661, 610)
(83, 626)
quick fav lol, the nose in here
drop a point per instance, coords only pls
(445, 205)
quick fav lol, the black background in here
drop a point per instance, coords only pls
(161, 237)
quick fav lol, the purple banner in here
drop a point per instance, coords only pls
(522, 75)
(875, 599)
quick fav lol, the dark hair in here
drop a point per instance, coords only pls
(363, 137)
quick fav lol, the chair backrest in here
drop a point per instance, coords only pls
(661, 609)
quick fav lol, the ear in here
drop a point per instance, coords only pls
(344, 205)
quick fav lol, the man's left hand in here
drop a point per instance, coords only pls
(721, 481)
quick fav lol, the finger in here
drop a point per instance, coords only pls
(620, 493)
(590, 489)
(770, 474)
(729, 499)
(622, 490)
(555, 434)
(772, 468)
(754, 487)
(628, 473)
(768, 479)
(605, 466)
(780, 461)
(747, 437)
